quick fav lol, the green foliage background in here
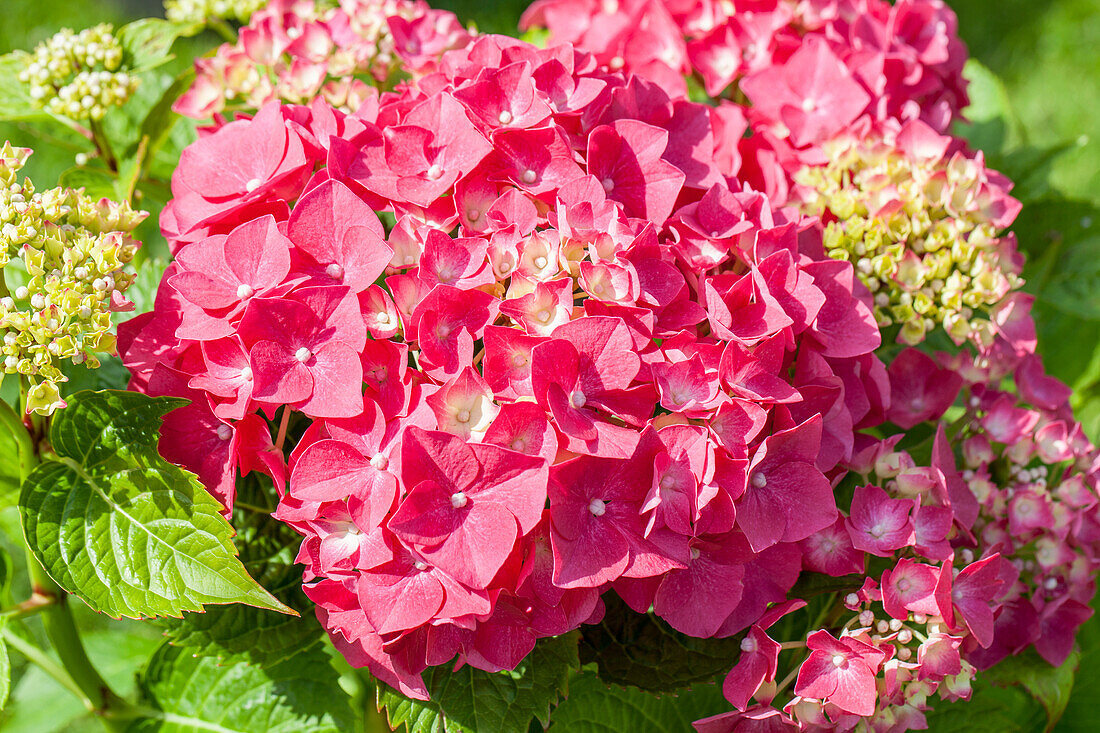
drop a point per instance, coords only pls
(1040, 124)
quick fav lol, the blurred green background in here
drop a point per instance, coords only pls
(1042, 127)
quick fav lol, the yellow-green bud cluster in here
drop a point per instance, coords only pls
(78, 75)
(917, 233)
(199, 11)
(67, 252)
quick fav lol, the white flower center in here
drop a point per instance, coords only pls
(504, 117)
(252, 185)
(577, 399)
(458, 500)
(748, 645)
(303, 354)
(808, 105)
(529, 176)
(435, 173)
(420, 565)
(608, 184)
(597, 507)
(246, 374)
(335, 271)
(379, 461)
(463, 416)
(519, 444)
(225, 432)
(838, 660)
(540, 262)
(544, 315)
(759, 481)
(473, 214)
(245, 292)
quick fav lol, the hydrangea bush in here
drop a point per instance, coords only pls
(669, 368)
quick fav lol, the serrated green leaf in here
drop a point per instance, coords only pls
(472, 701)
(15, 101)
(262, 637)
(641, 650)
(147, 43)
(120, 527)
(299, 693)
(596, 707)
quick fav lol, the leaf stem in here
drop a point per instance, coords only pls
(45, 663)
(29, 607)
(222, 28)
(103, 145)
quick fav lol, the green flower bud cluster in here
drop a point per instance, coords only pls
(62, 256)
(198, 11)
(78, 75)
(921, 233)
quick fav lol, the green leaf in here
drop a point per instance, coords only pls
(299, 693)
(1050, 685)
(96, 182)
(992, 124)
(643, 651)
(1062, 240)
(9, 468)
(160, 119)
(1022, 693)
(472, 701)
(1081, 713)
(123, 529)
(261, 637)
(990, 710)
(111, 374)
(15, 101)
(147, 43)
(595, 707)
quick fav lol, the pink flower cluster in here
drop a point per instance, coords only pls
(799, 71)
(528, 331)
(988, 556)
(296, 50)
(618, 371)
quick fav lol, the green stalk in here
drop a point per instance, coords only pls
(40, 659)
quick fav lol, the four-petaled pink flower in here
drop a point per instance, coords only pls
(841, 671)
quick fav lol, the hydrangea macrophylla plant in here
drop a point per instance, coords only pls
(542, 373)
